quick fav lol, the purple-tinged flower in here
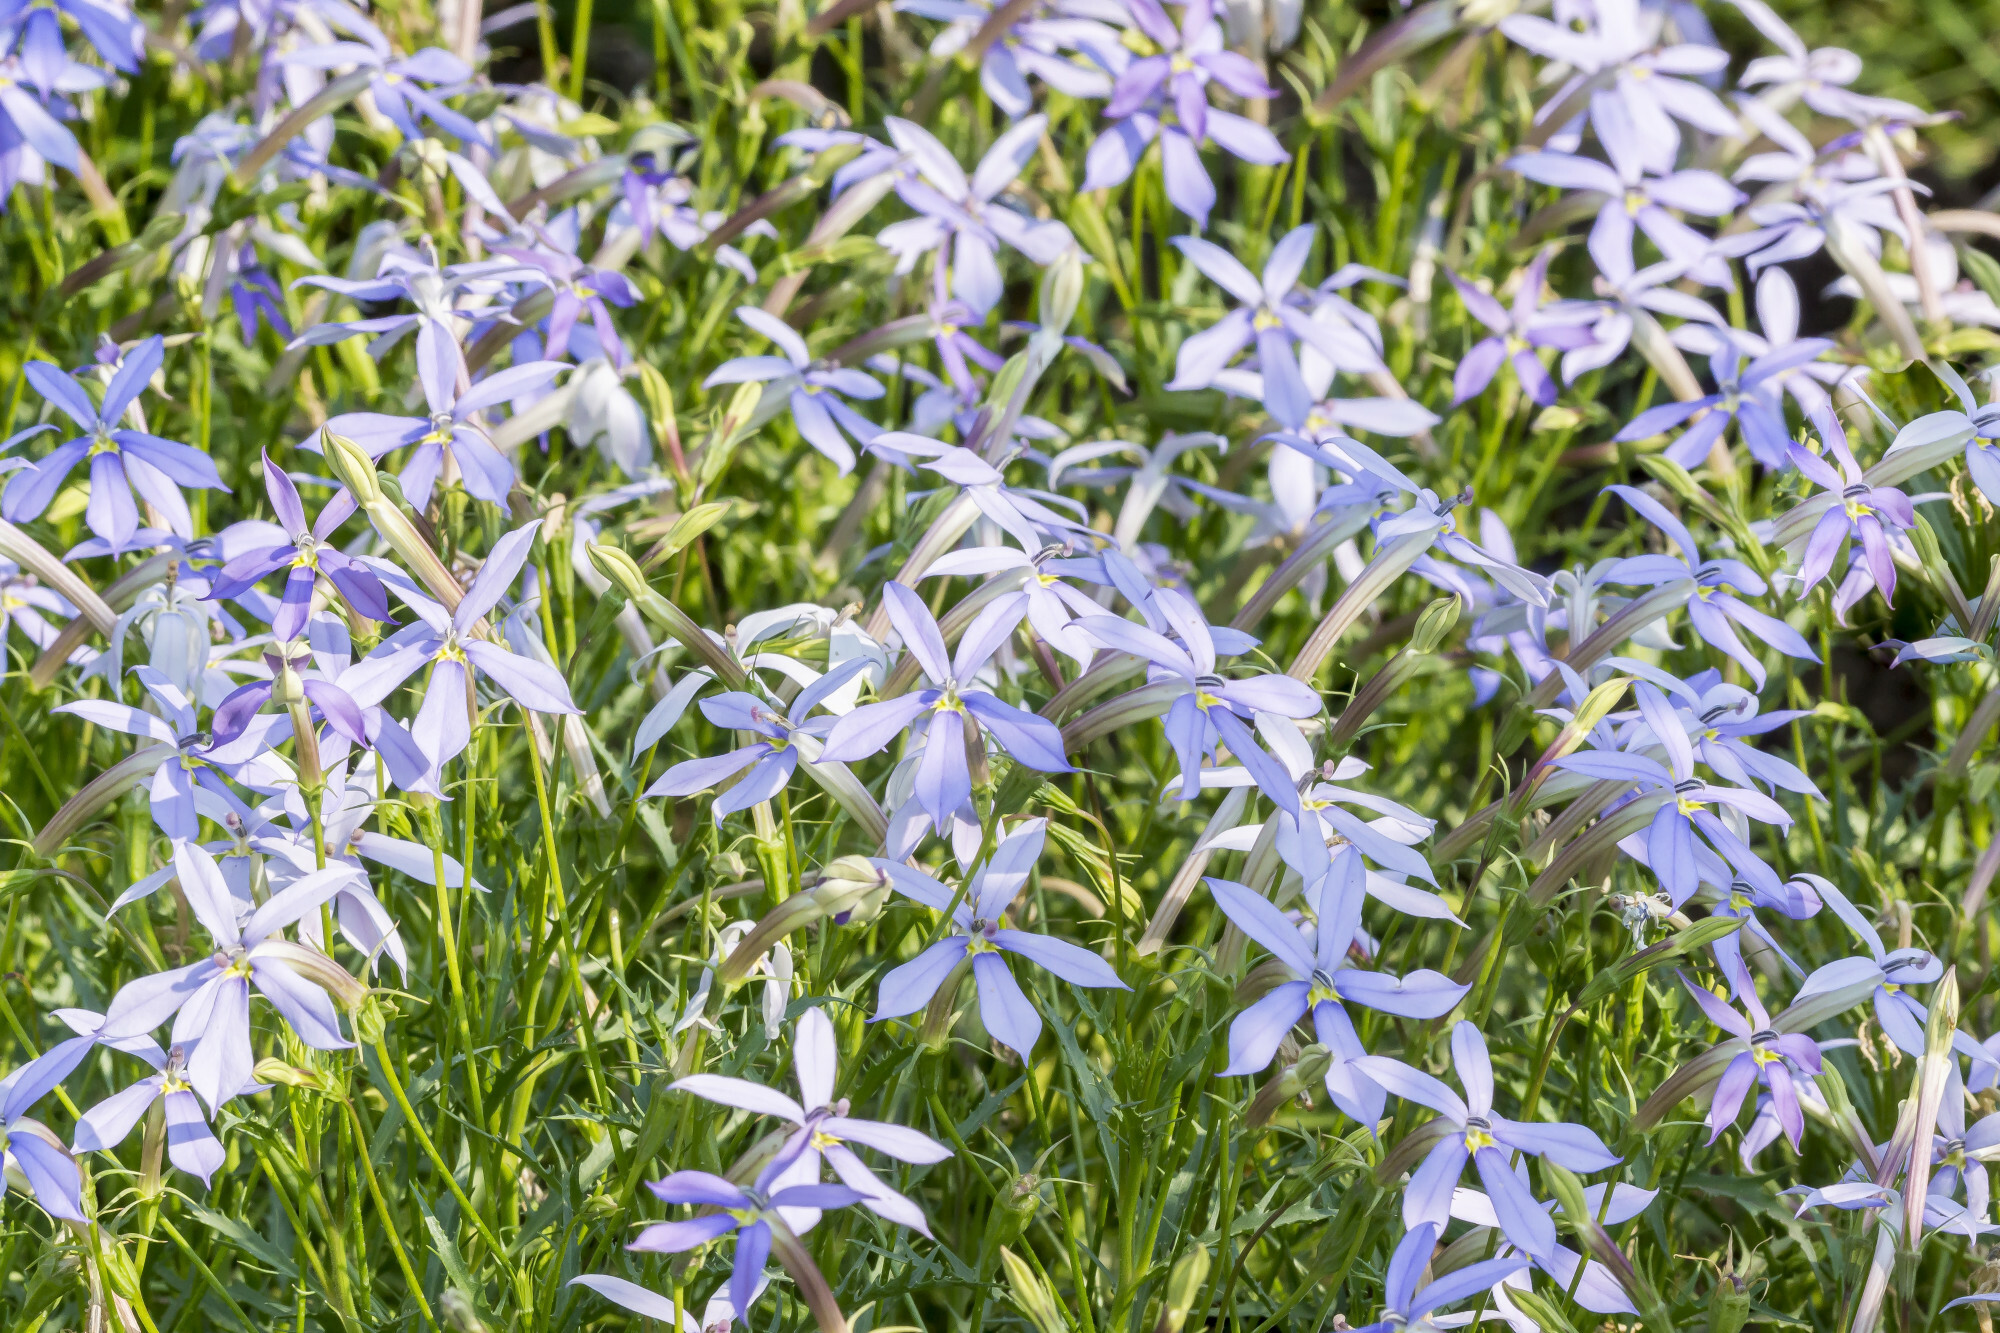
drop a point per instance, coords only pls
(1893, 971)
(187, 756)
(1207, 707)
(965, 212)
(1766, 1057)
(112, 30)
(760, 1215)
(1471, 1129)
(770, 760)
(1270, 318)
(1982, 423)
(821, 1126)
(1648, 203)
(658, 198)
(1749, 395)
(209, 1000)
(1652, 85)
(445, 641)
(1778, 318)
(1713, 586)
(1719, 719)
(293, 680)
(306, 557)
(396, 83)
(814, 391)
(255, 296)
(1034, 45)
(451, 439)
(1597, 1289)
(1319, 982)
(943, 781)
(1017, 512)
(1840, 191)
(122, 460)
(1670, 839)
(31, 1151)
(1817, 77)
(716, 1315)
(1175, 80)
(1516, 334)
(981, 938)
(1332, 832)
(413, 275)
(1865, 513)
(1628, 300)
(579, 290)
(1961, 1154)
(26, 604)
(39, 1077)
(32, 133)
(191, 1144)
(1053, 605)
(1408, 1309)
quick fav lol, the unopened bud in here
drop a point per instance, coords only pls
(1184, 1288)
(352, 466)
(317, 968)
(1029, 1292)
(620, 568)
(291, 1076)
(851, 891)
(1062, 290)
(1434, 622)
(943, 1006)
(371, 1020)
(1568, 1189)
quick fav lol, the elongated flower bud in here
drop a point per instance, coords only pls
(1029, 1292)
(851, 891)
(277, 1071)
(1434, 622)
(352, 467)
(1062, 291)
(319, 969)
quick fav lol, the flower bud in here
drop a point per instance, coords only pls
(371, 1020)
(1434, 622)
(1184, 1288)
(317, 968)
(620, 568)
(1029, 1292)
(851, 891)
(352, 467)
(277, 1071)
(1062, 291)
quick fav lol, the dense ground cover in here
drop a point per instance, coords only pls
(1075, 665)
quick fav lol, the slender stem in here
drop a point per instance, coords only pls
(402, 1100)
(448, 939)
(388, 1218)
